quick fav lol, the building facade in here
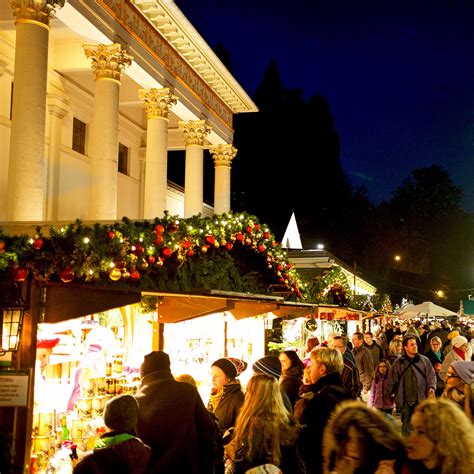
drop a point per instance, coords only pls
(93, 97)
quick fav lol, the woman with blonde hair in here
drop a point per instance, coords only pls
(359, 439)
(395, 349)
(264, 433)
(441, 440)
(459, 386)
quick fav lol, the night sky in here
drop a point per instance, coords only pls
(398, 76)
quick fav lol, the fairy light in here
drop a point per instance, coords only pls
(31, 241)
(86, 240)
(111, 264)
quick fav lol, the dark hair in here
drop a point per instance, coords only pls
(376, 371)
(407, 338)
(295, 360)
(368, 333)
(341, 338)
(359, 335)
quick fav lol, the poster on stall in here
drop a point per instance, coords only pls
(14, 388)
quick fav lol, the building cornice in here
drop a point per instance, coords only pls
(170, 21)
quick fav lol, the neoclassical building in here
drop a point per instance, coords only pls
(93, 96)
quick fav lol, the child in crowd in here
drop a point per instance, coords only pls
(379, 395)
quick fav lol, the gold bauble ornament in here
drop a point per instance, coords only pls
(125, 275)
(115, 274)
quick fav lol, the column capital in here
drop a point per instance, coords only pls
(34, 11)
(223, 154)
(157, 102)
(108, 60)
(195, 132)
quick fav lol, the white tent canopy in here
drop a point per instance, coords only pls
(427, 309)
(291, 239)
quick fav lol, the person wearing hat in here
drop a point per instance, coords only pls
(458, 352)
(271, 365)
(118, 450)
(173, 421)
(226, 396)
(460, 385)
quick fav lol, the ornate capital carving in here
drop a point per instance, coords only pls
(158, 102)
(108, 61)
(195, 132)
(223, 154)
(35, 11)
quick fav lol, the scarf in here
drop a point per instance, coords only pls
(214, 399)
(460, 353)
(108, 441)
(410, 385)
(438, 355)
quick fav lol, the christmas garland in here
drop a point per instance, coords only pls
(232, 252)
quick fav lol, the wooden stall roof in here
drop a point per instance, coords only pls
(60, 302)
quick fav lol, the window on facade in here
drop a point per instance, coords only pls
(123, 159)
(79, 136)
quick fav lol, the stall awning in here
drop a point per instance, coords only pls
(62, 302)
(179, 307)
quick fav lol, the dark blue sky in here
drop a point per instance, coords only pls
(398, 75)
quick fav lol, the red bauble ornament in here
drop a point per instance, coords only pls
(159, 229)
(159, 240)
(261, 248)
(135, 275)
(229, 246)
(239, 236)
(186, 244)
(266, 235)
(111, 234)
(289, 265)
(172, 227)
(256, 227)
(190, 253)
(139, 250)
(249, 229)
(38, 243)
(281, 280)
(275, 244)
(210, 239)
(151, 259)
(2, 245)
(166, 252)
(66, 275)
(280, 267)
(20, 274)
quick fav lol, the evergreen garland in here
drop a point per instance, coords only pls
(230, 252)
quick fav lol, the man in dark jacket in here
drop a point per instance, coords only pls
(118, 450)
(375, 350)
(325, 393)
(364, 362)
(350, 374)
(173, 421)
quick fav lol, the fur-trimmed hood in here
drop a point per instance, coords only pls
(386, 442)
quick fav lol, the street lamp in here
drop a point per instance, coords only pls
(12, 311)
(397, 258)
(440, 294)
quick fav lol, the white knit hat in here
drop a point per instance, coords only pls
(459, 341)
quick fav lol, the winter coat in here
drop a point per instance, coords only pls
(434, 360)
(425, 377)
(319, 403)
(376, 352)
(229, 406)
(130, 456)
(448, 360)
(290, 383)
(365, 365)
(379, 394)
(350, 377)
(174, 422)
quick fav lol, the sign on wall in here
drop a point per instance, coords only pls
(14, 388)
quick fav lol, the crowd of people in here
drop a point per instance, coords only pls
(390, 401)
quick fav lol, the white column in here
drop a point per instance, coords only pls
(25, 192)
(58, 108)
(158, 103)
(108, 62)
(223, 156)
(195, 133)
